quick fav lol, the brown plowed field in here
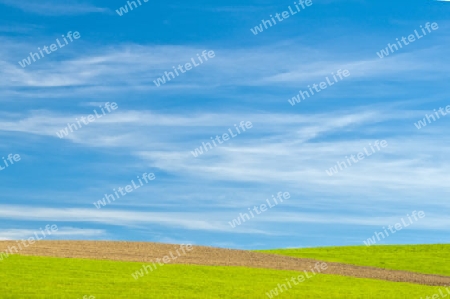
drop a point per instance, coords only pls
(209, 256)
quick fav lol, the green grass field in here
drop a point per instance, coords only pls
(42, 277)
(429, 259)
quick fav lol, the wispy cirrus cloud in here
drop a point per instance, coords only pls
(133, 68)
(298, 142)
(54, 8)
(19, 28)
(62, 233)
(185, 220)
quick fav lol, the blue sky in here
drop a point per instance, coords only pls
(288, 149)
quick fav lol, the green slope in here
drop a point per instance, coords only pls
(39, 277)
(429, 259)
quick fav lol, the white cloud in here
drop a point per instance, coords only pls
(54, 8)
(214, 221)
(119, 70)
(61, 233)
(189, 221)
(283, 149)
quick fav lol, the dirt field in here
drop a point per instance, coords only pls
(208, 256)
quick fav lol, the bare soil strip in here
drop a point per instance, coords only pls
(209, 256)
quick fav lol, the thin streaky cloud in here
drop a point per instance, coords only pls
(63, 232)
(54, 8)
(251, 78)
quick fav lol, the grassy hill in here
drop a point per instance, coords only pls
(83, 269)
(428, 259)
(45, 277)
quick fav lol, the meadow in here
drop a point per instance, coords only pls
(428, 259)
(43, 277)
